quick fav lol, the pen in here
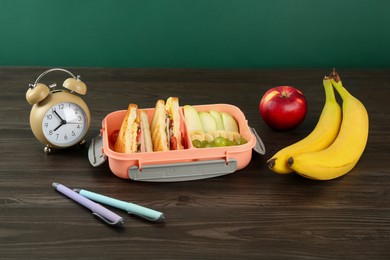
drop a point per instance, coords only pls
(146, 213)
(99, 211)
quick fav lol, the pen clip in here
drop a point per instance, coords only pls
(118, 223)
(159, 219)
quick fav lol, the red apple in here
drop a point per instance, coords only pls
(283, 108)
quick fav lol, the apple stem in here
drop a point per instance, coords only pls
(284, 94)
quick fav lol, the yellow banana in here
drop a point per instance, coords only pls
(322, 136)
(340, 157)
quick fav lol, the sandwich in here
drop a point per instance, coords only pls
(166, 126)
(134, 135)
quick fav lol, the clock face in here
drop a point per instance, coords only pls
(64, 124)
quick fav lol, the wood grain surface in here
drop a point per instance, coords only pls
(250, 214)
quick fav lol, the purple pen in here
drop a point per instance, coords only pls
(99, 211)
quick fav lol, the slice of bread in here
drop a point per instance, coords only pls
(159, 128)
(146, 134)
(126, 141)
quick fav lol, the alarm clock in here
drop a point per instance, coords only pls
(59, 118)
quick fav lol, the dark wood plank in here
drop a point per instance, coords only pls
(252, 213)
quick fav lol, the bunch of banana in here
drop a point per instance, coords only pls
(320, 138)
(346, 141)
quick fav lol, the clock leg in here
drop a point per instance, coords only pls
(47, 149)
(82, 142)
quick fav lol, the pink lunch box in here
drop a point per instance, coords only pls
(190, 163)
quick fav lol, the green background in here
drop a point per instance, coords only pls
(195, 34)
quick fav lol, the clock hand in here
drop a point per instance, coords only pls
(55, 112)
(63, 122)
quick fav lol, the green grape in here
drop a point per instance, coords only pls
(230, 143)
(241, 141)
(209, 145)
(204, 143)
(217, 142)
(197, 143)
(220, 141)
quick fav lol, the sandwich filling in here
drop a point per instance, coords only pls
(172, 139)
(173, 124)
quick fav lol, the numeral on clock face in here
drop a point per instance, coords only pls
(64, 124)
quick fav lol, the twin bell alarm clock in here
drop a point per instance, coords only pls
(59, 118)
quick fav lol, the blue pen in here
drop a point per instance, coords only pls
(146, 213)
(99, 211)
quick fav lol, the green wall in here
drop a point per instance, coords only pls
(195, 34)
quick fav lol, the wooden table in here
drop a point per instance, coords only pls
(252, 213)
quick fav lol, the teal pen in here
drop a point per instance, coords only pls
(134, 209)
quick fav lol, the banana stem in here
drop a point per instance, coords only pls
(334, 75)
(329, 93)
(336, 82)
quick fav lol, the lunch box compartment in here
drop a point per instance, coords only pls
(191, 163)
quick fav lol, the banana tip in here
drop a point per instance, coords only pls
(271, 163)
(290, 161)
